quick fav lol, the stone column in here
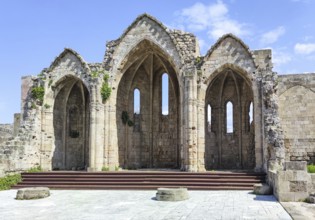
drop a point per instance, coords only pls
(112, 137)
(190, 151)
(99, 136)
(47, 134)
(92, 165)
(259, 123)
(110, 153)
(96, 129)
(201, 135)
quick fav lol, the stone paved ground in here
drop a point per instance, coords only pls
(123, 205)
(300, 210)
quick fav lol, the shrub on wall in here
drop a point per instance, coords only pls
(38, 94)
(125, 119)
(311, 168)
(35, 169)
(105, 90)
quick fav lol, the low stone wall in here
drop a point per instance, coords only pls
(297, 113)
(6, 132)
(293, 183)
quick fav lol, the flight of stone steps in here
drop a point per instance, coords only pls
(142, 180)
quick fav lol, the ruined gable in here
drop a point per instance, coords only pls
(229, 50)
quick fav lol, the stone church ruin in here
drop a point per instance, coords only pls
(227, 110)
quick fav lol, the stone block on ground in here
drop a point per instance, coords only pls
(172, 194)
(32, 193)
(262, 189)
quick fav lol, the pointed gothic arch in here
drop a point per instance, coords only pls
(229, 145)
(71, 122)
(153, 140)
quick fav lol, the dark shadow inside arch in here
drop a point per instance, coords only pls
(71, 125)
(230, 138)
(153, 139)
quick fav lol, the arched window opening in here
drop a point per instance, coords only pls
(136, 101)
(229, 117)
(251, 113)
(209, 117)
(73, 118)
(165, 94)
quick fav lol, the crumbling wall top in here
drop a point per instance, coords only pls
(288, 81)
(63, 54)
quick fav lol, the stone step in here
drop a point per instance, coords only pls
(121, 179)
(142, 180)
(144, 173)
(127, 182)
(135, 187)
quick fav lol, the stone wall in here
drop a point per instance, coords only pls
(297, 113)
(6, 132)
(293, 183)
(50, 130)
(21, 151)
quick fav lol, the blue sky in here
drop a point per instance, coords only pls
(34, 32)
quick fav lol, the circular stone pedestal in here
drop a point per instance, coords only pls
(169, 194)
(262, 189)
(32, 193)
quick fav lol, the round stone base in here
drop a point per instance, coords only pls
(170, 194)
(262, 189)
(32, 193)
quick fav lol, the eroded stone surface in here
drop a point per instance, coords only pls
(262, 189)
(32, 193)
(172, 194)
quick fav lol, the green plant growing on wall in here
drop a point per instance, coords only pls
(124, 117)
(38, 94)
(50, 82)
(46, 106)
(104, 168)
(95, 74)
(198, 60)
(311, 168)
(126, 120)
(42, 75)
(35, 169)
(130, 123)
(33, 105)
(105, 90)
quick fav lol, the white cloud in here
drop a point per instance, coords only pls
(305, 49)
(212, 18)
(199, 16)
(226, 26)
(272, 36)
(203, 45)
(280, 58)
